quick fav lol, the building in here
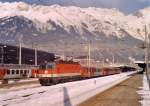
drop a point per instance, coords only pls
(10, 55)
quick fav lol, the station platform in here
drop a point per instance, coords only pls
(124, 94)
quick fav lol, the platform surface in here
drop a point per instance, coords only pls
(124, 94)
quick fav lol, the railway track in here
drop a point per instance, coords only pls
(15, 86)
(10, 98)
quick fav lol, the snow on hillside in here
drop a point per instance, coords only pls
(110, 22)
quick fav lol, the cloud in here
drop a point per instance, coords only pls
(144, 0)
(126, 6)
(133, 5)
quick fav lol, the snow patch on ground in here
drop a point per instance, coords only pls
(145, 92)
(20, 80)
(20, 85)
(18, 88)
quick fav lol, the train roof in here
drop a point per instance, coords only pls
(66, 62)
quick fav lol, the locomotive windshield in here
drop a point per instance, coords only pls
(43, 66)
(47, 66)
(50, 65)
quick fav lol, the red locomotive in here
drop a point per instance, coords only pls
(58, 72)
(61, 71)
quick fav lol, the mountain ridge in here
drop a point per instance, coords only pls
(65, 28)
(94, 19)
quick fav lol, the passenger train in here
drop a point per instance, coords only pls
(62, 71)
(59, 71)
(17, 72)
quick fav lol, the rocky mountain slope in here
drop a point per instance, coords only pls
(69, 29)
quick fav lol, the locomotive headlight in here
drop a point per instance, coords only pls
(46, 71)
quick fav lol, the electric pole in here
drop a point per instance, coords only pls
(146, 50)
(20, 49)
(89, 55)
(20, 53)
(146, 56)
(113, 58)
(35, 56)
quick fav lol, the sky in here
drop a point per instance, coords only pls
(126, 6)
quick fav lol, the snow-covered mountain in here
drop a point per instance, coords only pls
(108, 21)
(57, 26)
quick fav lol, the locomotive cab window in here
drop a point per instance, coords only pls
(47, 66)
(50, 65)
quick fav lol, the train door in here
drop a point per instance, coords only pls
(2, 73)
(29, 73)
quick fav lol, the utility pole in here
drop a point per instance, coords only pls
(34, 45)
(20, 49)
(35, 56)
(146, 50)
(146, 56)
(103, 62)
(89, 54)
(20, 53)
(113, 58)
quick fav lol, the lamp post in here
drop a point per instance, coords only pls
(89, 54)
(146, 47)
(35, 56)
(113, 58)
(20, 48)
(20, 53)
(103, 58)
(34, 45)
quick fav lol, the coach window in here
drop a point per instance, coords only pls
(17, 71)
(8, 71)
(13, 71)
(21, 71)
(25, 71)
